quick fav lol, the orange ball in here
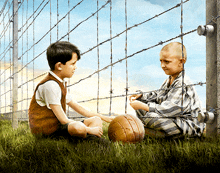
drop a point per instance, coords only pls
(126, 128)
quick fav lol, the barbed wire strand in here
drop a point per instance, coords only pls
(107, 39)
(26, 29)
(4, 15)
(32, 21)
(58, 40)
(3, 8)
(6, 68)
(126, 54)
(27, 43)
(124, 95)
(50, 23)
(140, 51)
(31, 16)
(31, 80)
(47, 33)
(180, 115)
(5, 28)
(22, 58)
(136, 25)
(0, 76)
(33, 47)
(5, 80)
(4, 62)
(98, 57)
(183, 72)
(10, 43)
(51, 27)
(57, 19)
(10, 62)
(5, 93)
(93, 14)
(68, 38)
(111, 60)
(182, 34)
(10, 19)
(140, 92)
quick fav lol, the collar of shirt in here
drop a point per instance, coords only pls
(179, 77)
(58, 78)
(180, 74)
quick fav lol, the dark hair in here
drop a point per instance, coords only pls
(61, 51)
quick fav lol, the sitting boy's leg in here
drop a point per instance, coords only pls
(158, 127)
(141, 114)
(154, 133)
(95, 122)
(94, 126)
(77, 129)
(76, 132)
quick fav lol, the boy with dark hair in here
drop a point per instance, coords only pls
(167, 102)
(47, 111)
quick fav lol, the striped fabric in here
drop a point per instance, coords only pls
(167, 103)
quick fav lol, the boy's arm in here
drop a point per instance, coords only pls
(60, 114)
(144, 97)
(81, 110)
(139, 105)
(172, 105)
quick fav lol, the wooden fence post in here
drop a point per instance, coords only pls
(213, 67)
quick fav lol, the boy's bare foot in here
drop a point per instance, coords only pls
(95, 131)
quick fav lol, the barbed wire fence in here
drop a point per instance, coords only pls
(28, 27)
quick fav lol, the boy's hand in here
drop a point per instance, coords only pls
(95, 131)
(139, 105)
(134, 97)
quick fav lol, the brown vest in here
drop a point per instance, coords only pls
(41, 119)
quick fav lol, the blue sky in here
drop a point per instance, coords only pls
(144, 68)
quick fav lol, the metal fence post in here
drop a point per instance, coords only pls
(15, 65)
(213, 67)
(218, 65)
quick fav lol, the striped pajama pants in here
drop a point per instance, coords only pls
(158, 127)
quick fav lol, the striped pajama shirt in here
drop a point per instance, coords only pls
(166, 102)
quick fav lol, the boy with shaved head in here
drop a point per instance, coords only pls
(174, 111)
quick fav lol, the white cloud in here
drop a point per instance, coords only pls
(139, 7)
(153, 70)
(197, 74)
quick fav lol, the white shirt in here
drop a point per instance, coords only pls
(50, 93)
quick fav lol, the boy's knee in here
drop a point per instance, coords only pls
(98, 119)
(93, 121)
(77, 129)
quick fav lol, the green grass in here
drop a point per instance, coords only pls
(21, 152)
